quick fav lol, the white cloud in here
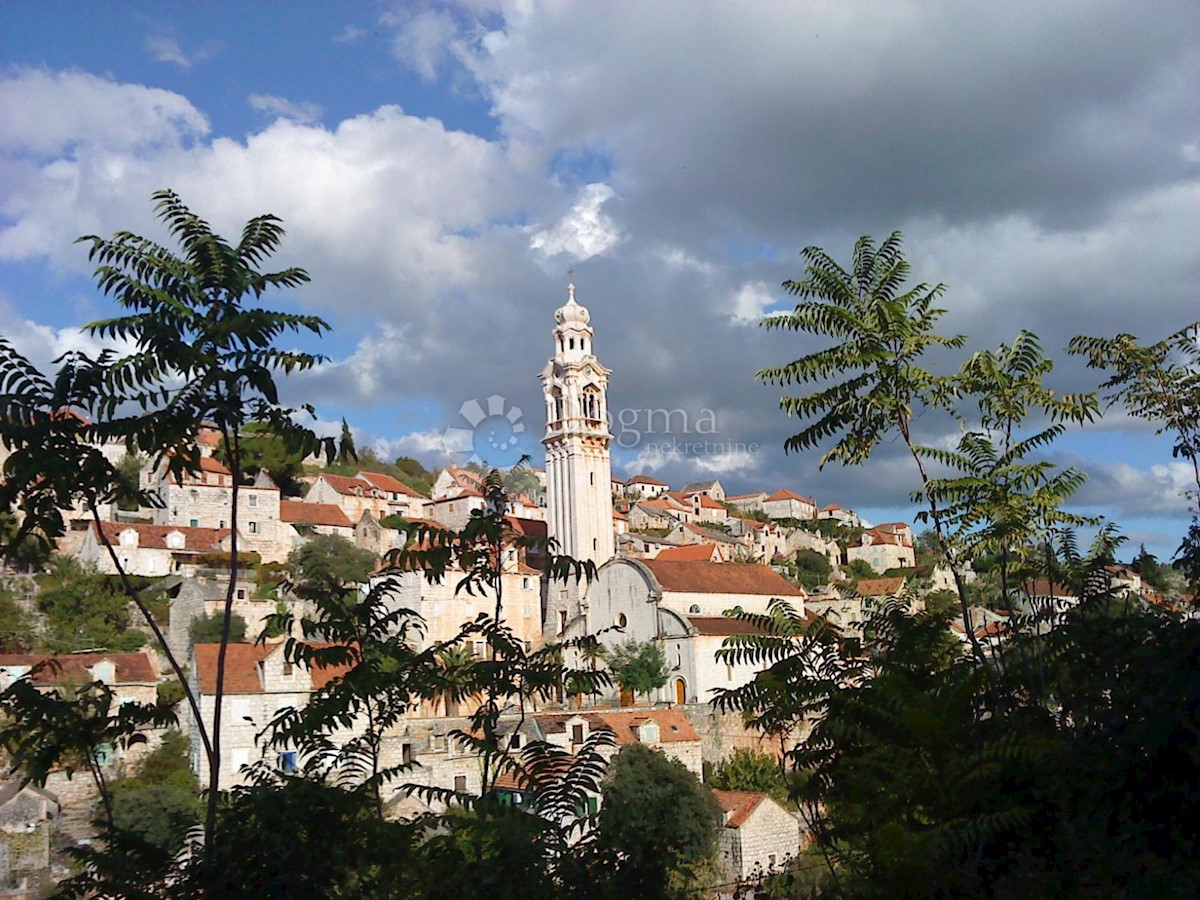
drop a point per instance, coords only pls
(350, 34)
(422, 40)
(751, 302)
(166, 48)
(47, 113)
(282, 108)
(585, 231)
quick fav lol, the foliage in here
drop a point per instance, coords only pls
(208, 628)
(1160, 383)
(328, 563)
(130, 468)
(747, 769)
(657, 825)
(84, 610)
(860, 568)
(261, 450)
(16, 625)
(162, 801)
(169, 692)
(638, 666)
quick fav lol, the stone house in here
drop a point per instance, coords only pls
(353, 496)
(758, 836)
(204, 499)
(883, 549)
(843, 611)
(453, 480)
(706, 509)
(152, 550)
(27, 816)
(711, 489)
(785, 504)
(847, 517)
(455, 511)
(652, 515)
(130, 676)
(258, 683)
(310, 519)
(752, 502)
(646, 487)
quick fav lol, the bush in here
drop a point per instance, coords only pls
(206, 628)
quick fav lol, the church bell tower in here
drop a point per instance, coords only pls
(578, 466)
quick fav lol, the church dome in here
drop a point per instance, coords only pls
(572, 313)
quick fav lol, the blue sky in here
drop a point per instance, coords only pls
(440, 167)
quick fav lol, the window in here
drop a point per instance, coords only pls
(694, 609)
(460, 783)
(252, 499)
(252, 527)
(728, 672)
(286, 761)
(595, 545)
(562, 621)
(406, 756)
(577, 734)
(621, 620)
(221, 523)
(195, 523)
(479, 649)
(572, 343)
(287, 670)
(591, 477)
(515, 741)
(525, 584)
(241, 593)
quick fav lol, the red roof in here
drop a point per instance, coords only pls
(646, 479)
(706, 502)
(739, 805)
(881, 587)
(706, 552)
(131, 668)
(673, 725)
(785, 494)
(348, 486)
(154, 537)
(388, 483)
(297, 512)
(241, 667)
(212, 464)
(720, 578)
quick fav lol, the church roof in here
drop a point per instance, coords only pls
(695, 577)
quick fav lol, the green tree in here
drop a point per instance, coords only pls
(658, 825)
(16, 626)
(747, 769)
(812, 568)
(1160, 383)
(329, 563)
(130, 470)
(871, 380)
(161, 801)
(208, 628)
(84, 610)
(638, 666)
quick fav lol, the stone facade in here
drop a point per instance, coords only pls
(758, 835)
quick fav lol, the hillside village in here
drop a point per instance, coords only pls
(671, 561)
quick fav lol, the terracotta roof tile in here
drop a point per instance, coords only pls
(739, 805)
(673, 725)
(720, 578)
(785, 494)
(881, 587)
(646, 479)
(154, 537)
(346, 485)
(241, 667)
(388, 483)
(706, 552)
(131, 668)
(297, 512)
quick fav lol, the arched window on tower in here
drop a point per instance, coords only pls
(591, 402)
(558, 405)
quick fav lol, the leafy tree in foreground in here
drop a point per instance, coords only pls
(871, 382)
(162, 800)
(658, 825)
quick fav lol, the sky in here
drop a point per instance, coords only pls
(444, 169)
